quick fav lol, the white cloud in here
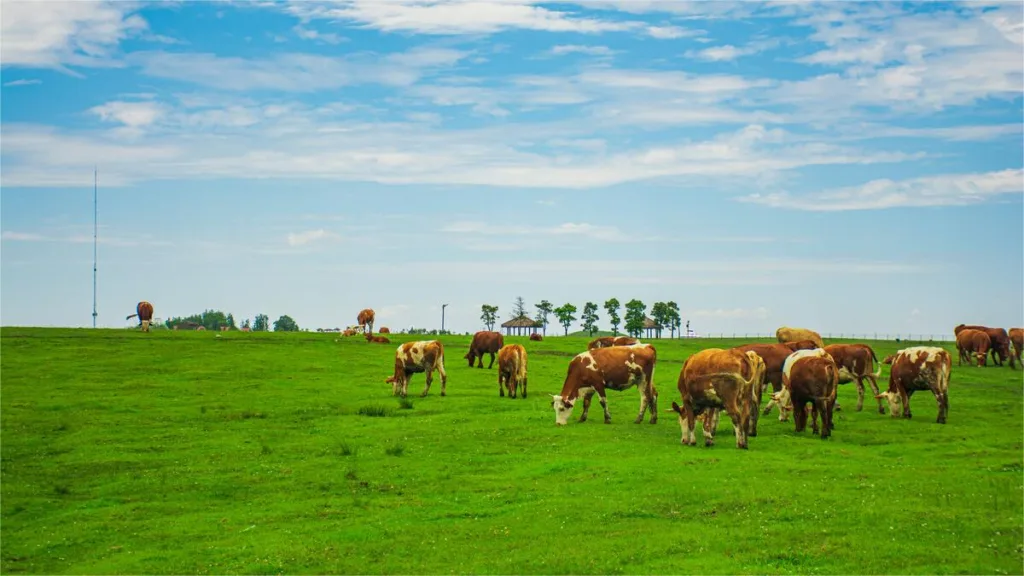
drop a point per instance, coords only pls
(132, 114)
(670, 32)
(941, 190)
(310, 236)
(563, 49)
(310, 34)
(567, 229)
(23, 82)
(54, 34)
(23, 236)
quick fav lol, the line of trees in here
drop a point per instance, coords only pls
(665, 314)
(215, 319)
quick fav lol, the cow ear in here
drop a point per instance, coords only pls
(880, 396)
(676, 408)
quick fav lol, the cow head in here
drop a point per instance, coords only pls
(471, 356)
(895, 402)
(889, 359)
(145, 325)
(563, 409)
(785, 403)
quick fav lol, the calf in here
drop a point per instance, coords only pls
(536, 337)
(918, 368)
(810, 376)
(1000, 342)
(787, 334)
(377, 339)
(511, 369)
(1017, 338)
(976, 342)
(484, 342)
(384, 330)
(713, 380)
(615, 368)
(608, 341)
(855, 362)
(774, 355)
(411, 357)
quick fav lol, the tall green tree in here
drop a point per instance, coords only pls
(489, 315)
(660, 314)
(566, 316)
(285, 324)
(519, 307)
(231, 321)
(247, 325)
(544, 309)
(612, 308)
(673, 317)
(590, 318)
(261, 323)
(635, 317)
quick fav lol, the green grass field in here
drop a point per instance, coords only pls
(175, 452)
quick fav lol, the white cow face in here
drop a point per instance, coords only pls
(563, 409)
(895, 403)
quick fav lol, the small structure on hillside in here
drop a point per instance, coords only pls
(522, 326)
(651, 326)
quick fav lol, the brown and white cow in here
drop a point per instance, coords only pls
(972, 342)
(535, 337)
(377, 339)
(1017, 339)
(774, 356)
(144, 310)
(511, 369)
(614, 368)
(422, 356)
(365, 319)
(810, 376)
(787, 334)
(918, 368)
(349, 332)
(713, 380)
(484, 342)
(608, 341)
(855, 362)
(1000, 342)
(384, 330)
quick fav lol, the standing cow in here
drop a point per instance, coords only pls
(1000, 342)
(365, 319)
(810, 376)
(484, 342)
(855, 362)
(787, 334)
(422, 356)
(713, 380)
(918, 368)
(1017, 339)
(615, 368)
(972, 342)
(511, 369)
(774, 356)
(144, 310)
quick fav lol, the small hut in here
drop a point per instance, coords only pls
(522, 326)
(651, 326)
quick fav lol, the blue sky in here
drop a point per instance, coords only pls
(845, 166)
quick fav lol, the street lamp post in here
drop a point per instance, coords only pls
(443, 306)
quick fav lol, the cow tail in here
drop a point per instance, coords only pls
(878, 374)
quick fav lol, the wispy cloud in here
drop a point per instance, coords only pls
(310, 236)
(23, 82)
(563, 49)
(941, 190)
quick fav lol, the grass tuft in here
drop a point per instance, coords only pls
(405, 404)
(375, 411)
(346, 449)
(395, 449)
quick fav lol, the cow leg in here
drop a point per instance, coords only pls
(776, 387)
(711, 417)
(604, 403)
(647, 401)
(943, 401)
(430, 378)
(524, 387)
(739, 427)
(513, 384)
(480, 360)
(491, 365)
(860, 393)
(874, 388)
(821, 408)
(689, 432)
(905, 397)
(586, 404)
(501, 385)
(799, 415)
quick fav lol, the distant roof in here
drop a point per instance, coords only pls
(650, 323)
(522, 322)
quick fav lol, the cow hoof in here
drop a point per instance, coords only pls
(766, 412)
(607, 420)
(881, 410)
(582, 419)
(654, 420)
(709, 443)
(443, 394)
(742, 446)
(638, 421)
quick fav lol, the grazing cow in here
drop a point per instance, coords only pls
(713, 380)
(422, 356)
(225, 328)
(377, 339)
(349, 332)
(615, 368)
(200, 328)
(1017, 338)
(536, 337)
(774, 355)
(918, 368)
(484, 342)
(608, 341)
(365, 318)
(787, 334)
(855, 362)
(511, 369)
(1000, 342)
(144, 310)
(976, 342)
(384, 330)
(810, 376)
(246, 329)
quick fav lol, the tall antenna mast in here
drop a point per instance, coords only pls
(95, 212)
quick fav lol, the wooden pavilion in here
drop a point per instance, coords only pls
(651, 326)
(522, 326)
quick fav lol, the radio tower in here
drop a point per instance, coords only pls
(94, 237)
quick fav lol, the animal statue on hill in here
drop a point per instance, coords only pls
(144, 310)
(788, 334)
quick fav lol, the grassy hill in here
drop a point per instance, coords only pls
(184, 452)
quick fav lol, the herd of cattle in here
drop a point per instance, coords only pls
(803, 372)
